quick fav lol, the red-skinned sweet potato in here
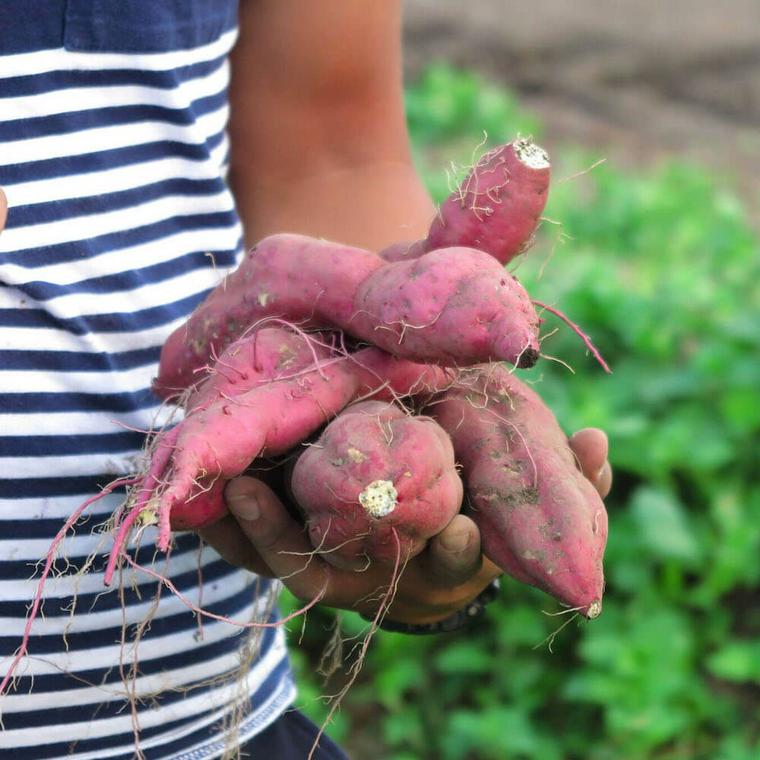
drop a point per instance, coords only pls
(377, 483)
(540, 519)
(219, 439)
(453, 306)
(496, 209)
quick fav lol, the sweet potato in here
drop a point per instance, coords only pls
(450, 306)
(221, 440)
(261, 356)
(540, 519)
(453, 306)
(217, 441)
(376, 471)
(496, 209)
(266, 355)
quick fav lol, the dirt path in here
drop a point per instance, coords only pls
(631, 79)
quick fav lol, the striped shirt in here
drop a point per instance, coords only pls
(113, 155)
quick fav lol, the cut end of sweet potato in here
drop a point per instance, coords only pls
(593, 610)
(379, 498)
(532, 155)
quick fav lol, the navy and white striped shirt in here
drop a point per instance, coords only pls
(113, 156)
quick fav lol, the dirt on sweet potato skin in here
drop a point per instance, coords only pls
(377, 482)
(540, 519)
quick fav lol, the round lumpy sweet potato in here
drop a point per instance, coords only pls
(376, 485)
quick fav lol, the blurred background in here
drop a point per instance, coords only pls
(640, 80)
(656, 253)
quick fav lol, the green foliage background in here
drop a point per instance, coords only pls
(662, 268)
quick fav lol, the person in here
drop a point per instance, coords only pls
(143, 145)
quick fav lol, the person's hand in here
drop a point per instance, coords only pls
(590, 447)
(261, 535)
(3, 209)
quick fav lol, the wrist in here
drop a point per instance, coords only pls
(457, 621)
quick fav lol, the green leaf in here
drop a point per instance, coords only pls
(464, 657)
(736, 661)
(663, 525)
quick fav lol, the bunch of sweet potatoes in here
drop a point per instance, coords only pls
(380, 377)
(380, 383)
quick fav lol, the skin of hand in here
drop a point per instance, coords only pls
(261, 535)
(319, 146)
(318, 137)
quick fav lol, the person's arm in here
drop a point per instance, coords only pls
(318, 136)
(319, 146)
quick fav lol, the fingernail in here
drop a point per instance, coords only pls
(244, 505)
(455, 542)
(600, 472)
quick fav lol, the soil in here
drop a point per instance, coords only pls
(635, 81)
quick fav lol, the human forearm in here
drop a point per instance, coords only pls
(318, 135)
(369, 205)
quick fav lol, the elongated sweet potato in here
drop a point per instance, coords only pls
(454, 306)
(267, 355)
(222, 436)
(540, 519)
(496, 209)
(374, 472)
(261, 356)
(450, 306)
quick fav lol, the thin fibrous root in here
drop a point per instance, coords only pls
(374, 625)
(577, 330)
(549, 640)
(23, 649)
(148, 484)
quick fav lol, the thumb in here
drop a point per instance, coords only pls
(454, 554)
(280, 541)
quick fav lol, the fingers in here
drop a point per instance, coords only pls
(591, 448)
(3, 209)
(603, 483)
(232, 545)
(454, 554)
(277, 539)
(442, 579)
